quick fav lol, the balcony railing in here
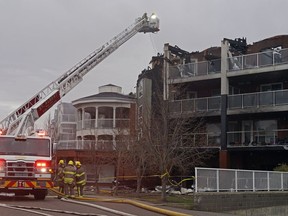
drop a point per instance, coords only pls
(257, 138)
(203, 140)
(258, 99)
(195, 105)
(239, 101)
(91, 145)
(195, 69)
(103, 124)
(242, 62)
(257, 60)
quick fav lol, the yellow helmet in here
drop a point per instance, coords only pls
(61, 162)
(71, 163)
(77, 163)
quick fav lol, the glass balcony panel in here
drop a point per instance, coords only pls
(188, 105)
(214, 103)
(202, 68)
(281, 97)
(250, 61)
(235, 63)
(265, 58)
(214, 66)
(234, 139)
(201, 104)
(235, 101)
(266, 98)
(284, 55)
(187, 70)
(249, 100)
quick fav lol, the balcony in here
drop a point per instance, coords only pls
(203, 140)
(195, 69)
(183, 72)
(91, 145)
(258, 60)
(250, 102)
(259, 100)
(207, 104)
(103, 124)
(257, 138)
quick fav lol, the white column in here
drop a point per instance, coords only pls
(114, 117)
(83, 118)
(96, 117)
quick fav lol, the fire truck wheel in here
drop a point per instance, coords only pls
(40, 195)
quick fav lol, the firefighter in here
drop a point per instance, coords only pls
(80, 178)
(69, 179)
(60, 176)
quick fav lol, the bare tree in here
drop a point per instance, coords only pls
(172, 141)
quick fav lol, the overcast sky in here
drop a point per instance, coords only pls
(41, 39)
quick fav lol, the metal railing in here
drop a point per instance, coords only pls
(195, 69)
(239, 101)
(258, 99)
(202, 140)
(257, 60)
(230, 180)
(257, 138)
(241, 62)
(92, 145)
(195, 105)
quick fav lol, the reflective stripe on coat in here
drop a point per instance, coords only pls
(69, 174)
(80, 176)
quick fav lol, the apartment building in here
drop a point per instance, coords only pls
(240, 90)
(102, 124)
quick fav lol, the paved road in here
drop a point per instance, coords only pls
(62, 207)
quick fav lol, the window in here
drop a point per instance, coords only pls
(271, 87)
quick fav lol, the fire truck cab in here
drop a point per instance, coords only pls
(25, 165)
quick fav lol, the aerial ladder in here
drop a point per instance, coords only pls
(21, 121)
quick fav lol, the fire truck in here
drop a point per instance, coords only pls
(26, 154)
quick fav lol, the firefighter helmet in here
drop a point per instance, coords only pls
(71, 163)
(61, 162)
(77, 163)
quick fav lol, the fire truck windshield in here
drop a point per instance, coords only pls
(29, 146)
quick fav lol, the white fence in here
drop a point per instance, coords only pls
(230, 180)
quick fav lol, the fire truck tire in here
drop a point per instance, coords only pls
(21, 193)
(40, 195)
